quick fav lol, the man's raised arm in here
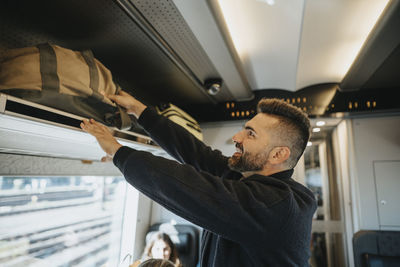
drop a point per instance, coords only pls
(173, 138)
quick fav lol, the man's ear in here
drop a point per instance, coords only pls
(279, 155)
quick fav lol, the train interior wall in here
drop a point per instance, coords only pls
(376, 171)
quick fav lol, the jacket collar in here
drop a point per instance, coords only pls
(283, 174)
(287, 174)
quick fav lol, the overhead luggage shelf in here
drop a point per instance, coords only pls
(147, 45)
(32, 129)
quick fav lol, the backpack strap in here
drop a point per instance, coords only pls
(123, 122)
(93, 74)
(48, 68)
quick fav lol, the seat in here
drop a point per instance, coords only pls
(376, 248)
(185, 238)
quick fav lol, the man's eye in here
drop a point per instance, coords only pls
(250, 133)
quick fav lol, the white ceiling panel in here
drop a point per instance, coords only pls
(284, 44)
(267, 39)
(333, 33)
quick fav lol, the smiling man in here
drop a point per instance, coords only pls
(252, 211)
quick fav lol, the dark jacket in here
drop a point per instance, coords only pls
(254, 221)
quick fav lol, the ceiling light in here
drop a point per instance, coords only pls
(309, 143)
(320, 123)
(373, 12)
(316, 130)
(236, 23)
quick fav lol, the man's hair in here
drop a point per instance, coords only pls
(293, 129)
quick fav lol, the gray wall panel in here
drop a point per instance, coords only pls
(375, 139)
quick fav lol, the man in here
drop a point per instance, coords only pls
(253, 213)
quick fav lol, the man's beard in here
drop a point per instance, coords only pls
(247, 162)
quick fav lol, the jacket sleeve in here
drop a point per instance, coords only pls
(226, 207)
(181, 144)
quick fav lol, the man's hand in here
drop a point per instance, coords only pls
(103, 135)
(131, 104)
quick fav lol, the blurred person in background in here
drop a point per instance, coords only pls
(160, 246)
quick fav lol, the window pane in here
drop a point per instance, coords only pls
(61, 221)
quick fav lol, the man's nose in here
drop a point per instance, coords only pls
(237, 138)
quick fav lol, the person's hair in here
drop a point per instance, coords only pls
(156, 263)
(293, 129)
(164, 237)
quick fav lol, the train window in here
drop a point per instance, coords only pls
(61, 221)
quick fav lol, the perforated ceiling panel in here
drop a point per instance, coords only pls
(169, 23)
(136, 61)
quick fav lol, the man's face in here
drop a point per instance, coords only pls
(253, 144)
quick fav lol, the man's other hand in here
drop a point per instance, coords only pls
(131, 104)
(103, 135)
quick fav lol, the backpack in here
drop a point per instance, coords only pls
(71, 81)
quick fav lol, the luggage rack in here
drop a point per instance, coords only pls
(21, 116)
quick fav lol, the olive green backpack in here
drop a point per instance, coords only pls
(71, 81)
